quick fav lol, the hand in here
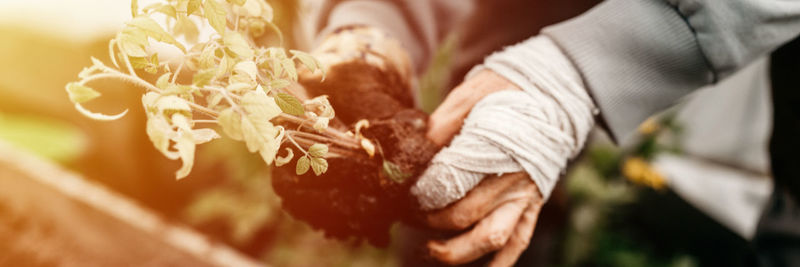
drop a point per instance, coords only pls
(504, 210)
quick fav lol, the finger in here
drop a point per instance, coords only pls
(480, 201)
(447, 119)
(520, 239)
(489, 234)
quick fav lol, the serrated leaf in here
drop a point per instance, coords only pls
(289, 104)
(159, 130)
(279, 84)
(303, 163)
(173, 104)
(307, 60)
(216, 15)
(260, 106)
(167, 10)
(163, 80)
(235, 43)
(231, 123)
(192, 6)
(214, 99)
(207, 57)
(280, 161)
(319, 165)
(203, 77)
(131, 42)
(258, 132)
(244, 72)
(318, 150)
(288, 66)
(186, 27)
(225, 66)
(394, 172)
(151, 29)
(79, 93)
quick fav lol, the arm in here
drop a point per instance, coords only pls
(638, 57)
(411, 22)
(635, 57)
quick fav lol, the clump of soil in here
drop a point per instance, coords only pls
(361, 197)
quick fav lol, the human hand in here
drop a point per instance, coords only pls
(504, 211)
(523, 113)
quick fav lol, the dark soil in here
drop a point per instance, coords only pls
(361, 197)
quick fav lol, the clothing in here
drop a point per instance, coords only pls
(636, 56)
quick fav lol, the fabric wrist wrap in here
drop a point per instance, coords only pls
(536, 130)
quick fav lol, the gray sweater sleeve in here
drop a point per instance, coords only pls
(640, 56)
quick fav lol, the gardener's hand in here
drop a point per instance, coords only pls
(503, 209)
(523, 113)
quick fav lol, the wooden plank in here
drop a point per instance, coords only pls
(52, 217)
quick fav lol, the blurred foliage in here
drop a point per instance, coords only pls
(601, 185)
(49, 138)
(433, 83)
(244, 211)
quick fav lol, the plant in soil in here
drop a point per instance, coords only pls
(363, 160)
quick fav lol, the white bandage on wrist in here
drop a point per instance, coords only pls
(536, 130)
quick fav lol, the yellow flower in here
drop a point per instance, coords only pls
(639, 171)
(649, 126)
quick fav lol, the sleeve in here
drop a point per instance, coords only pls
(638, 57)
(412, 22)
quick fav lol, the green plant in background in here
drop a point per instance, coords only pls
(602, 184)
(236, 84)
(49, 138)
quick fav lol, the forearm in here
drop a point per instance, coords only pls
(411, 22)
(638, 57)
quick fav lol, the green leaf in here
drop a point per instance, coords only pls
(260, 106)
(310, 62)
(394, 172)
(203, 77)
(163, 80)
(279, 84)
(167, 10)
(288, 66)
(258, 132)
(132, 41)
(186, 27)
(151, 29)
(193, 6)
(318, 150)
(79, 93)
(289, 104)
(237, 44)
(214, 99)
(319, 165)
(231, 123)
(237, 2)
(216, 15)
(303, 163)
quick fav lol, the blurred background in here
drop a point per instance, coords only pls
(78, 192)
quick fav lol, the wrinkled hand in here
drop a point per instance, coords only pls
(502, 209)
